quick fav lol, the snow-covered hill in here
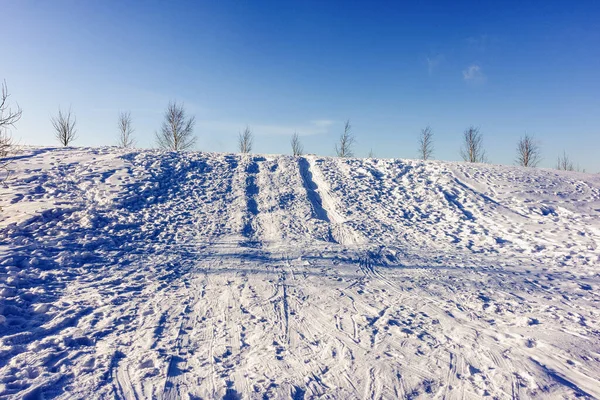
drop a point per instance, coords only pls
(145, 274)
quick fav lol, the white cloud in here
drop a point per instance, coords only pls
(433, 62)
(322, 123)
(474, 74)
(313, 127)
(479, 43)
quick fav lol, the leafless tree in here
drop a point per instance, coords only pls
(8, 118)
(297, 148)
(177, 131)
(6, 147)
(426, 143)
(564, 163)
(344, 147)
(125, 130)
(6, 144)
(245, 140)
(472, 150)
(64, 127)
(528, 152)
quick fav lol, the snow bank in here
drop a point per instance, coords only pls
(142, 274)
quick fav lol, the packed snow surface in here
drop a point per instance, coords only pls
(146, 274)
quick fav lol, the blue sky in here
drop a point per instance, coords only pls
(278, 66)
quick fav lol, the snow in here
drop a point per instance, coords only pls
(147, 274)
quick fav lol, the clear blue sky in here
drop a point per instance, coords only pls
(279, 66)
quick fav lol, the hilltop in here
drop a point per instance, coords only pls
(150, 274)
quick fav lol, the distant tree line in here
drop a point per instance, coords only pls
(177, 134)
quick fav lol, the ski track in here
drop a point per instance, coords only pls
(135, 274)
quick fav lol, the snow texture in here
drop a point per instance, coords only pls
(144, 274)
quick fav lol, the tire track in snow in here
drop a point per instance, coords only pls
(285, 305)
(177, 366)
(324, 205)
(123, 380)
(250, 228)
(312, 191)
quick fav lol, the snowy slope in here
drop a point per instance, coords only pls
(144, 274)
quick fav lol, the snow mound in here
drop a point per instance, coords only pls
(148, 274)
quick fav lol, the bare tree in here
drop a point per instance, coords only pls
(125, 130)
(297, 148)
(472, 150)
(564, 163)
(528, 152)
(426, 143)
(8, 118)
(344, 147)
(64, 127)
(6, 147)
(6, 144)
(177, 131)
(245, 140)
